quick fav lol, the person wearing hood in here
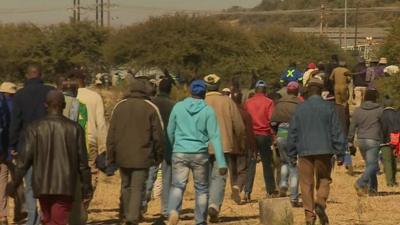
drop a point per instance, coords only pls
(192, 127)
(390, 122)
(315, 136)
(283, 113)
(135, 142)
(232, 128)
(366, 123)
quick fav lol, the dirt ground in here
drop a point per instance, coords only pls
(344, 207)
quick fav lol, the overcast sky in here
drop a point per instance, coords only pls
(122, 12)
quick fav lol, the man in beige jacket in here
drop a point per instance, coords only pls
(232, 129)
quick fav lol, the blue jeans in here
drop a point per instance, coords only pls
(370, 152)
(31, 207)
(149, 186)
(264, 147)
(166, 186)
(217, 185)
(182, 164)
(289, 173)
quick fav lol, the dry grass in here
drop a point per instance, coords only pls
(344, 207)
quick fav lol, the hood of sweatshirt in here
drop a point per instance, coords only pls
(368, 105)
(194, 106)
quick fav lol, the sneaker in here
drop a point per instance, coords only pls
(361, 192)
(213, 213)
(235, 196)
(295, 204)
(283, 192)
(173, 218)
(323, 217)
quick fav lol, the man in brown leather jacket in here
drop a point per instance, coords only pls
(55, 148)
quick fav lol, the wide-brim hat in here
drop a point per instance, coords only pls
(8, 87)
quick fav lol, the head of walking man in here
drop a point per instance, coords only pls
(213, 82)
(261, 87)
(371, 96)
(293, 88)
(315, 86)
(198, 89)
(55, 102)
(33, 72)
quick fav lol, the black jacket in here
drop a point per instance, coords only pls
(135, 138)
(390, 122)
(4, 126)
(28, 106)
(55, 148)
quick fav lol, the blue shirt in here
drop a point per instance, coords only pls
(292, 74)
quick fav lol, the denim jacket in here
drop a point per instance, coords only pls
(315, 129)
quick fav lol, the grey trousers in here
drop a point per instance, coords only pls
(132, 184)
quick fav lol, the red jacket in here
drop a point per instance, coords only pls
(260, 108)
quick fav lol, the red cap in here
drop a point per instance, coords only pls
(312, 66)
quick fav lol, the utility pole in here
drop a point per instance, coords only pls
(74, 9)
(108, 13)
(97, 12)
(79, 10)
(321, 23)
(101, 13)
(345, 24)
(356, 26)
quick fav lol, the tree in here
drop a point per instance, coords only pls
(391, 46)
(75, 44)
(190, 45)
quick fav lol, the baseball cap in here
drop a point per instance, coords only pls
(261, 83)
(198, 87)
(312, 66)
(8, 87)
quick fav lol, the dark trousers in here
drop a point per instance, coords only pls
(55, 209)
(264, 147)
(132, 184)
(390, 165)
(238, 170)
(321, 167)
(19, 199)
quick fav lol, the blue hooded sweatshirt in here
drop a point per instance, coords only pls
(192, 125)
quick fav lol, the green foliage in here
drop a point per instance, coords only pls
(389, 86)
(195, 46)
(188, 45)
(57, 48)
(391, 47)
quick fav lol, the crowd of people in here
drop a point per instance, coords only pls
(54, 141)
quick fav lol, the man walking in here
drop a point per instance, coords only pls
(282, 115)
(28, 106)
(366, 122)
(292, 74)
(7, 91)
(260, 108)
(340, 78)
(192, 127)
(390, 122)
(165, 105)
(135, 143)
(315, 135)
(359, 82)
(54, 147)
(232, 128)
